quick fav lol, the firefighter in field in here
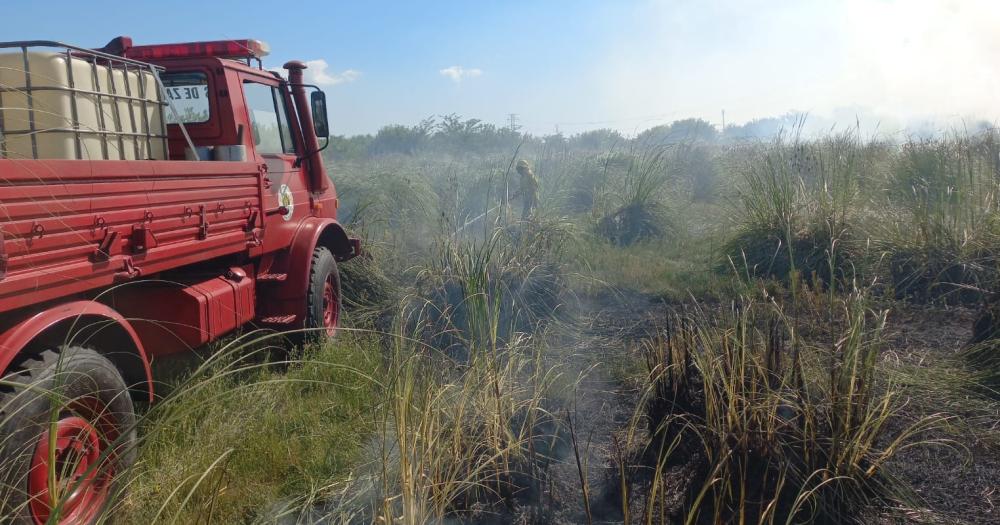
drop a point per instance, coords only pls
(527, 190)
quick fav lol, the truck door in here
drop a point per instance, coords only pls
(286, 196)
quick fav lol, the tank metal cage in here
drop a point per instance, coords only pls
(111, 127)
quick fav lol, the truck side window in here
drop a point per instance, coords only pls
(268, 118)
(286, 130)
(188, 93)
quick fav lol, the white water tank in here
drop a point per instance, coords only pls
(104, 127)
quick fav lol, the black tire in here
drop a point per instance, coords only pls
(322, 270)
(90, 403)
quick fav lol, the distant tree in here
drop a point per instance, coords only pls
(401, 139)
(450, 134)
(687, 130)
(555, 141)
(455, 134)
(395, 138)
(460, 136)
(765, 128)
(353, 148)
(654, 135)
(693, 129)
(453, 125)
(980, 126)
(596, 140)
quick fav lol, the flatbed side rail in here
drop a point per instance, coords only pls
(112, 125)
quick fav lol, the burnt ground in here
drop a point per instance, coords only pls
(602, 352)
(956, 482)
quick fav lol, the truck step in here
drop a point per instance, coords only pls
(272, 277)
(279, 319)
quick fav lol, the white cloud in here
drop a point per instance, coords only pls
(319, 73)
(459, 73)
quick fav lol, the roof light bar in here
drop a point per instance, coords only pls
(240, 49)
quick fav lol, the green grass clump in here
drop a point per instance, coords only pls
(239, 436)
(636, 204)
(796, 212)
(982, 355)
(675, 270)
(942, 240)
(513, 273)
(983, 360)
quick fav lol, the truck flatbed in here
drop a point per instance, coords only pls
(69, 226)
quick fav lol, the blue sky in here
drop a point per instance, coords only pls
(584, 64)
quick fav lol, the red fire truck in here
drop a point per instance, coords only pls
(152, 199)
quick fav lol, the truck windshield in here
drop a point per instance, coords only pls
(188, 92)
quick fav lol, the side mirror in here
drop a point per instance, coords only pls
(321, 126)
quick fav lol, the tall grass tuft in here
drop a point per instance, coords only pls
(509, 277)
(942, 240)
(461, 439)
(636, 209)
(766, 428)
(797, 209)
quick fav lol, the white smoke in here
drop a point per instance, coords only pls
(893, 61)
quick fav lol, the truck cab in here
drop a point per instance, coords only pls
(222, 100)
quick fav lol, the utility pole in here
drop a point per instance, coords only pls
(723, 121)
(513, 125)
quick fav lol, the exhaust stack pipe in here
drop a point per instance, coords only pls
(314, 164)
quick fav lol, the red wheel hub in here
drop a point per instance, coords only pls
(66, 473)
(331, 308)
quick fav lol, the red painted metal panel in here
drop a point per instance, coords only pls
(287, 298)
(173, 317)
(21, 331)
(152, 215)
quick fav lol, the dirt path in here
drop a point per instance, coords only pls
(599, 352)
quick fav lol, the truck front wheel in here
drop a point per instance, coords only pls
(323, 300)
(67, 433)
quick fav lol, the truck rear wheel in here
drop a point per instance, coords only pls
(67, 429)
(323, 301)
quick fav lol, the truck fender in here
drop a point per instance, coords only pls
(86, 323)
(313, 232)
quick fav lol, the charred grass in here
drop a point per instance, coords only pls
(766, 426)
